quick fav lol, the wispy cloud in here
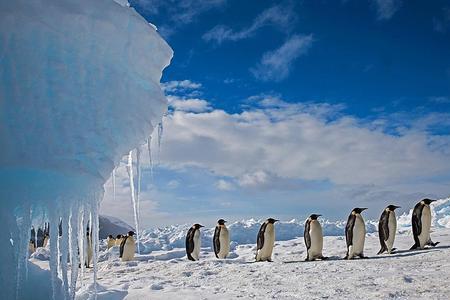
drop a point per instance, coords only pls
(386, 8)
(179, 85)
(276, 65)
(181, 12)
(280, 16)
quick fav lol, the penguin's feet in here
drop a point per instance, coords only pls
(433, 244)
(362, 256)
(323, 257)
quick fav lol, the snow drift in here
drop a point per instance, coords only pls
(79, 89)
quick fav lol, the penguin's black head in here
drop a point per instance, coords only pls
(198, 226)
(428, 201)
(130, 233)
(393, 207)
(271, 220)
(221, 222)
(110, 236)
(119, 236)
(314, 216)
(358, 210)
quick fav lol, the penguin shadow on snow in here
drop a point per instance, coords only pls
(329, 258)
(406, 253)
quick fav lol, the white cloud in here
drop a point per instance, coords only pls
(181, 85)
(173, 184)
(280, 16)
(387, 8)
(224, 185)
(303, 141)
(189, 105)
(276, 65)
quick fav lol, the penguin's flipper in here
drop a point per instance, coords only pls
(216, 241)
(306, 235)
(122, 246)
(190, 243)
(260, 238)
(349, 230)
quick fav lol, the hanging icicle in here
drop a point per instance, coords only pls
(149, 148)
(133, 197)
(160, 135)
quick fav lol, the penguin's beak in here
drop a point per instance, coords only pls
(397, 207)
(319, 215)
(276, 221)
(364, 208)
(201, 226)
(433, 200)
(225, 221)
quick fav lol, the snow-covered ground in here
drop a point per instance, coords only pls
(165, 273)
(169, 275)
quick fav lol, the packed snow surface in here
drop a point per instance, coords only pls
(165, 272)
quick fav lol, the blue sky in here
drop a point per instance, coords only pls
(288, 108)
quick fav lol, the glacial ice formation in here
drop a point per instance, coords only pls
(79, 89)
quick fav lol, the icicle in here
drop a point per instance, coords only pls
(160, 135)
(73, 232)
(82, 241)
(149, 148)
(24, 225)
(54, 220)
(95, 239)
(133, 198)
(63, 249)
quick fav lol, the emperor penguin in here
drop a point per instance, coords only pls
(221, 240)
(127, 247)
(31, 247)
(355, 234)
(119, 238)
(265, 240)
(110, 241)
(421, 224)
(193, 242)
(88, 253)
(313, 238)
(387, 228)
(45, 241)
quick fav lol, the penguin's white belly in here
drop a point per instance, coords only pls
(129, 249)
(224, 239)
(118, 242)
(197, 245)
(265, 253)
(359, 236)
(424, 235)
(111, 243)
(315, 233)
(392, 225)
(88, 253)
